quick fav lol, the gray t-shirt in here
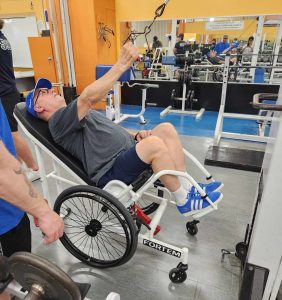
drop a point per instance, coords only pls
(95, 140)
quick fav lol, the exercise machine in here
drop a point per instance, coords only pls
(243, 159)
(185, 80)
(260, 252)
(113, 112)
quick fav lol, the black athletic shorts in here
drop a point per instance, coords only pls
(17, 239)
(126, 168)
(9, 102)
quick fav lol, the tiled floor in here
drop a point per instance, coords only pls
(145, 276)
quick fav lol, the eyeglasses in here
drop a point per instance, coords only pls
(40, 91)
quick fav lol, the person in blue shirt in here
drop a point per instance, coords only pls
(20, 197)
(221, 46)
(10, 96)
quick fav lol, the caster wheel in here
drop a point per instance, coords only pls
(241, 251)
(177, 275)
(192, 228)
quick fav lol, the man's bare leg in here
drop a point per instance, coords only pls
(23, 151)
(167, 133)
(153, 150)
(5, 296)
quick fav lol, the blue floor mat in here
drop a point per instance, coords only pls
(185, 124)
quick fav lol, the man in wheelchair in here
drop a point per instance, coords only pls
(109, 152)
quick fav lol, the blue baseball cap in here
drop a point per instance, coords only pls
(42, 83)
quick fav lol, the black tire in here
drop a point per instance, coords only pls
(99, 230)
(192, 228)
(241, 251)
(177, 276)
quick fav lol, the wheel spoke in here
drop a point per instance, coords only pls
(96, 230)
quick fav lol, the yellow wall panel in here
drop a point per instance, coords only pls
(22, 7)
(181, 9)
(248, 30)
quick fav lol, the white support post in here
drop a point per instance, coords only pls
(173, 36)
(54, 30)
(68, 42)
(42, 170)
(265, 248)
(263, 42)
(57, 171)
(219, 123)
(276, 50)
(117, 102)
(258, 38)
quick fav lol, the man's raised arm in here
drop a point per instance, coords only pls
(99, 88)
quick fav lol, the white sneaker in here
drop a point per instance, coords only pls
(32, 175)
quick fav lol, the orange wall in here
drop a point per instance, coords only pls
(88, 49)
(83, 33)
(125, 28)
(105, 13)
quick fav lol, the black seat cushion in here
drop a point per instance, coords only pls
(39, 129)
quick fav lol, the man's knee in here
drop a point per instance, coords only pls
(154, 145)
(154, 142)
(167, 129)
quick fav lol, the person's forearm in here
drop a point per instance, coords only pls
(132, 133)
(99, 88)
(226, 50)
(16, 189)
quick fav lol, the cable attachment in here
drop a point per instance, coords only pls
(147, 29)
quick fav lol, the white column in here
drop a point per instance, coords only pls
(276, 49)
(54, 29)
(258, 37)
(68, 42)
(266, 241)
(173, 36)
(263, 42)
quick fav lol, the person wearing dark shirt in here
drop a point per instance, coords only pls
(156, 43)
(180, 46)
(213, 43)
(10, 96)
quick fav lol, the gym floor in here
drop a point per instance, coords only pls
(145, 276)
(187, 124)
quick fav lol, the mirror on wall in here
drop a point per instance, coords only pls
(204, 30)
(251, 40)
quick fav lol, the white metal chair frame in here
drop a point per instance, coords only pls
(125, 193)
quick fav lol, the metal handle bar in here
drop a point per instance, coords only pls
(234, 67)
(145, 85)
(260, 97)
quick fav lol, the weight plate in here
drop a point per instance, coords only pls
(29, 269)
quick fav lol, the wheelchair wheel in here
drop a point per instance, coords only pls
(99, 230)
